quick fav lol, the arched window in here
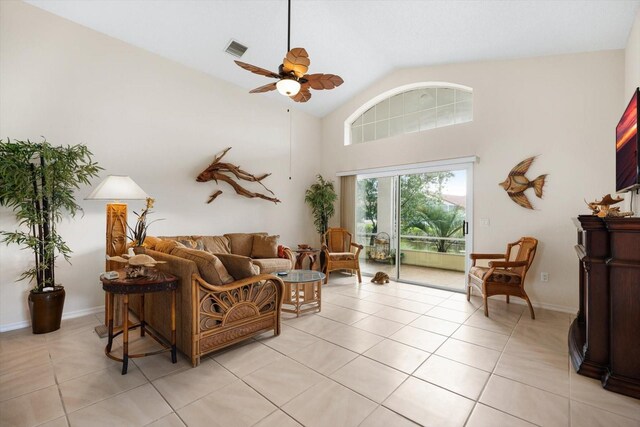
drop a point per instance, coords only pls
(411, 108)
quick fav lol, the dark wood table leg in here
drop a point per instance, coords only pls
(109, 319)
(125, 333)
(142, 324)
(174, 358)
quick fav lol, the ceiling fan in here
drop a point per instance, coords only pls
(292, 78)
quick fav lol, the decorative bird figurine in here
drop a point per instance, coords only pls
(516, 183)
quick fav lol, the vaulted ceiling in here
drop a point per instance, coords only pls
(359, 40)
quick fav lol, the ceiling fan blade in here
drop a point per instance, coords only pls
(303, 96)
(257, 70)
(297, 60)
(265, 88)
(323, 81)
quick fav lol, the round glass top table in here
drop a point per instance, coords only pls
(302, 291)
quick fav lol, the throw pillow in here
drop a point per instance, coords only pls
(210, 267)
(240, 267)
(265, 246)
(216, 244)
(167, 246)
(192, 243)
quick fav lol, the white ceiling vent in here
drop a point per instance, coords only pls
(236, 49)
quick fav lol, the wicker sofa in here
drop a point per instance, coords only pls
(217, 304)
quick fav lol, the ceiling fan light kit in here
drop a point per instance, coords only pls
(288, 87)
(293, 80)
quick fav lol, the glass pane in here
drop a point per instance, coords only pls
(375, 224)
(445, 115)
(428, 119)
(432, 215)
(412, 123)
(356, 134)
(369, 132)
(411, 101)
(382, 129)
(358, 121)
(445, 96)
(396, 126)
(464, 112)
(428, 98)
(463, 95)
(382, 110)
(369, 116)
(395, 106)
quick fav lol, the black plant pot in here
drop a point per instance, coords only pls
(46, 310)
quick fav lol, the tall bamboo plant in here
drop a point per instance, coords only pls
(37, 182)
(320, 197)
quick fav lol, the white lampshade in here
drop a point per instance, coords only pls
(288, 87)
(117, 187)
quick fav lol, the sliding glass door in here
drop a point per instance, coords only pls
(376, 224)
(415, 225)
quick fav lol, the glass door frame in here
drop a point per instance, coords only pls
(466, 164)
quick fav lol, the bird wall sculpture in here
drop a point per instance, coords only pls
(516, 183)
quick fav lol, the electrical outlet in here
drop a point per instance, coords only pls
(484, 222)
(544, 277)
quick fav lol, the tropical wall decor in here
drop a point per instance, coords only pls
(227, 172)
(516, 183)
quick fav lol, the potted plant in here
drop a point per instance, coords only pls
(37, 182)
(321, 196)
(139, 233)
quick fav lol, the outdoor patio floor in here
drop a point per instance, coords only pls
(454, 280)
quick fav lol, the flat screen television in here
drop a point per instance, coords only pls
(627, 153)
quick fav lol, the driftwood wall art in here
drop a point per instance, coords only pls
(516, 183)
(221, 171)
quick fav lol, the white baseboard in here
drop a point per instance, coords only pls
(68, 315)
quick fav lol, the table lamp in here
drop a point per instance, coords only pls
(116, 188)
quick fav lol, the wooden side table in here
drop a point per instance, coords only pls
(312, 254)
(155, 281)
(302, 290)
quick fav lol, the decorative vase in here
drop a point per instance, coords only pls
(46, 310)
(139, 250)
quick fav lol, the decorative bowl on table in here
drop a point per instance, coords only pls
(304, 247)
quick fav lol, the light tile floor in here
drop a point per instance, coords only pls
(392, 355)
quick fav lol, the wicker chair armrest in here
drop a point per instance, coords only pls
(507, 264)
(288, 253)
(486, 256)
(239, 283)
(358, 248)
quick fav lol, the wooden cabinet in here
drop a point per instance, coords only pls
(604, 340)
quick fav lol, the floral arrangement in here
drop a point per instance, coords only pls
(139, 233)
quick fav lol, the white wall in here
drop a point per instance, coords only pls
(632, 81)
(562, 108)
(150, 118)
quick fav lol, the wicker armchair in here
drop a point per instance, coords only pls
(503, 276)
(227, 314)
(211, 317)
(339, 254)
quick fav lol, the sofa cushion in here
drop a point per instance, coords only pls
(216, 244)
(271, 265)
(240, 267)
(241, 243)
(210, 267)
(342, 256)
(264, 246)
(166, 246)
